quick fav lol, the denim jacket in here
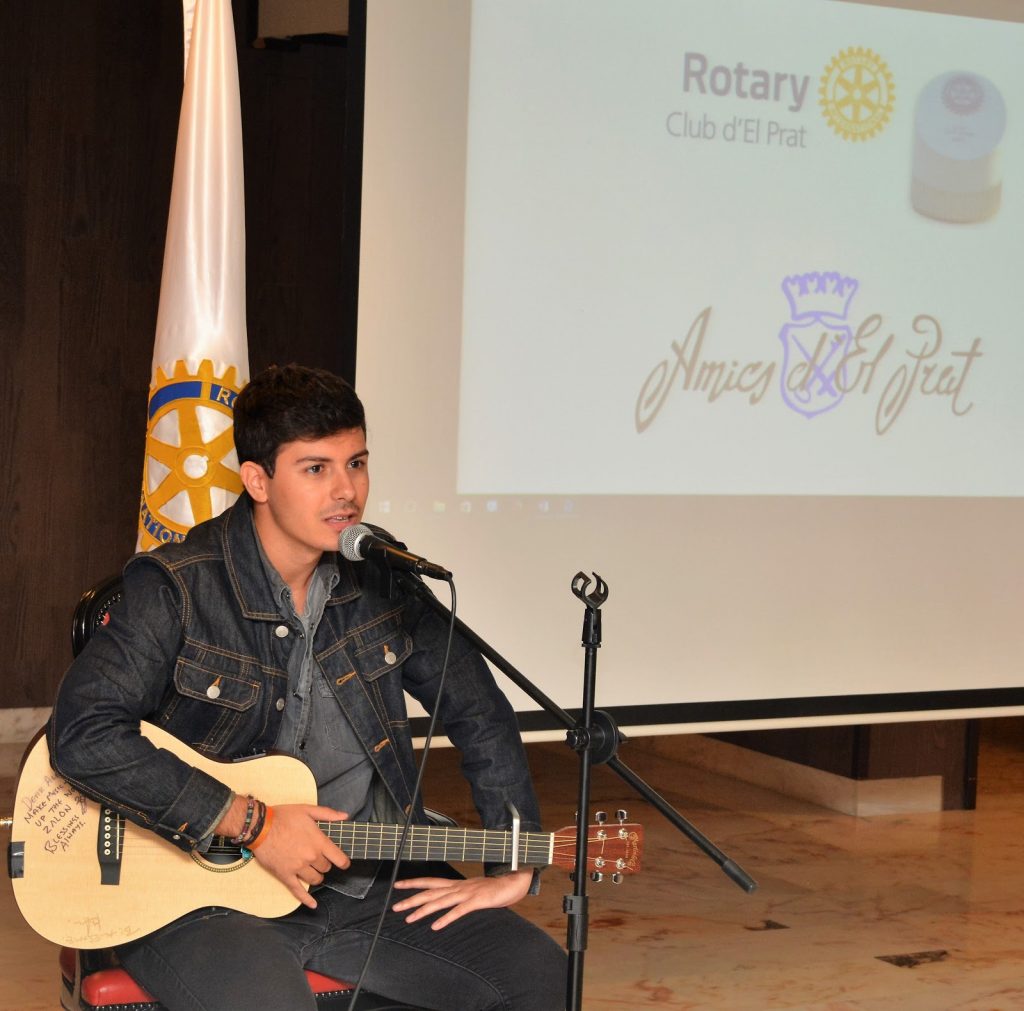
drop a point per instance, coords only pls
(201, 613)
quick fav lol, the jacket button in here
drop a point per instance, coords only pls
(281, 631)
(279, 704)
(213, 692)
(390, 657)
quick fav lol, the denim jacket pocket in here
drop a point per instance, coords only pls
(386, 654)
(213, 695)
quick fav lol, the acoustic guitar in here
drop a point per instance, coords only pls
(85, 877)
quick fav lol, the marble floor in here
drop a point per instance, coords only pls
(922, 911)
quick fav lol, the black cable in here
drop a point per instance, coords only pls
(417, 788)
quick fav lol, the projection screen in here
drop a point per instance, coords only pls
(721, 301)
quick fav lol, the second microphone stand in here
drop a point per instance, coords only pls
(595, 738)
(591, 744)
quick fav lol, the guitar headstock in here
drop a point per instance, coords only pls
(612, 847)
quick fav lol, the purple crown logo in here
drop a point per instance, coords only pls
(815, 295)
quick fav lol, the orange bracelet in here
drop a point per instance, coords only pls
(264, 828)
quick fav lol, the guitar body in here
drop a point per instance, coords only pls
(63, 833)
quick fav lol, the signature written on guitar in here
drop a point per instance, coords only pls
(92, 933)
(57, 811)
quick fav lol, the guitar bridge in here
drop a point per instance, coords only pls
(109, 835)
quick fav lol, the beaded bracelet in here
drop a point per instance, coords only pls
(257, 825)
(243, 836)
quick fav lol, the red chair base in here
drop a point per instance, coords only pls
(114, 988)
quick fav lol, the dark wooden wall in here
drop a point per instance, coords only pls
(89, 100)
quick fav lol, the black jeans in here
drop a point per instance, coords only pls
(221, 960)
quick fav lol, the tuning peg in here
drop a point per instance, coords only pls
(601, 817)
(621, 815)
(596, 876)
(616, 878)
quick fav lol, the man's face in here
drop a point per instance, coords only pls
(318, 489)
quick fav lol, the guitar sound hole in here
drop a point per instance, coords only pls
(220, 854)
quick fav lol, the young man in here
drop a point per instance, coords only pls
(254, 634)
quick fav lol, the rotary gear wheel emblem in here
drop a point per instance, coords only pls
(857, 93)
(191, 470)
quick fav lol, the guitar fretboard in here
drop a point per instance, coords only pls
(371, 841)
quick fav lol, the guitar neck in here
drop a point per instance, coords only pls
(372, 841)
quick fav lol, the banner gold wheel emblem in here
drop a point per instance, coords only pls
(191, 470)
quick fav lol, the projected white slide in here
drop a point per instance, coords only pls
(781, 228)
(720, 300)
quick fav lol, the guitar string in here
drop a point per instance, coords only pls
(430, 842)
(379, 841)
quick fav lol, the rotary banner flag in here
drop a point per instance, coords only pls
(200, 356)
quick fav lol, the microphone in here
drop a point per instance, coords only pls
(357, 543)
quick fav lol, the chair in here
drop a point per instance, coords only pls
(93, 980)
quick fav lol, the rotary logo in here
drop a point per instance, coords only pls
(856, 93)
(191, 470)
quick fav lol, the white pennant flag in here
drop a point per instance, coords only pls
(200, 357)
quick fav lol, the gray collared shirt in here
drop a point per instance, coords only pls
(314, 727)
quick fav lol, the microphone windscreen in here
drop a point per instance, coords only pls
(348, 541)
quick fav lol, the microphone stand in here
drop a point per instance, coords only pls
(596, 738)
(585, 742)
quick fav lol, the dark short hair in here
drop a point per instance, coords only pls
(285, 403)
